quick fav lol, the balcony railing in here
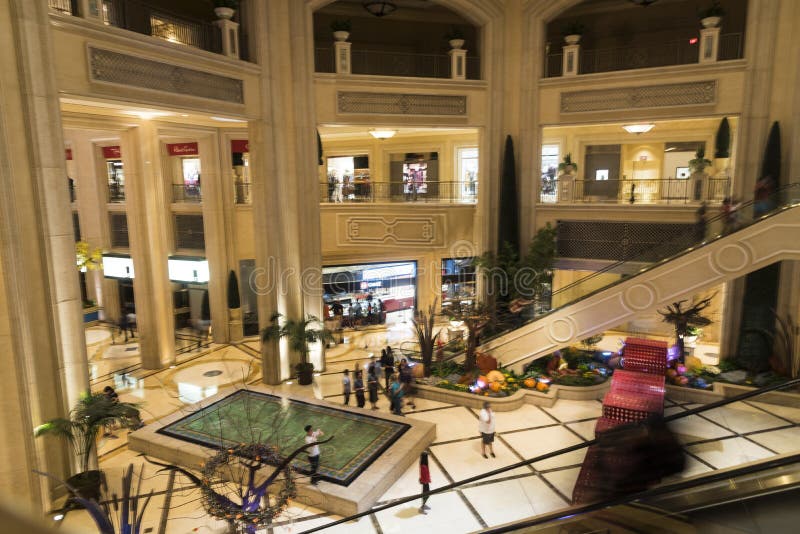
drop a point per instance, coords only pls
(387, 63)
(429, 192)
(640, 57)
(646, 191)
(67, 7)
(241, 193)
(116, 193)
(186, 193)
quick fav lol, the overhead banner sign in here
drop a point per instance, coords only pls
(188, 270)
(182, 149)
(240, 145)
(112, 152)
(118, 266)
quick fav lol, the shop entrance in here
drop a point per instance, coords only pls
(369, 294)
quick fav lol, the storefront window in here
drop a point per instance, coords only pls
(368, 294)
(348, 179)
(468, 173)
(458, 281)
(549, 168)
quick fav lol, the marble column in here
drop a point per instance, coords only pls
(285, 190)
(147, 200)
(42, 345)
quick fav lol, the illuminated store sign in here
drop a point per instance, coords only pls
(394, 271)
(182, 149)
(117, 266)
(188, 270)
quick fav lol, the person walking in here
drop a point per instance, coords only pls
(486, 428)
(313, 452)
(346, 385)
(425, 481)
(396, 396)
(700, 223)
(388, 366)
(372, 388)
(358, 386)
(406, 380)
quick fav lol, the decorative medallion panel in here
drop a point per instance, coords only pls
(400, 104)
(421, 231)
(651, 96)
(115, 67)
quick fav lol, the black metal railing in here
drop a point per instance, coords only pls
(389, 63)
(679, 52)
(367, 191)
(643, 191)
(142, 17)
(241, 193)
(186, 193)
(116, 193)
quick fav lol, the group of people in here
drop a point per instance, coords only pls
(398, 383)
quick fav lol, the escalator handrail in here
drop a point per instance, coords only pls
(547, 456)
(706, 241)
(649, 493)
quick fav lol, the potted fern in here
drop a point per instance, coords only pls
(699, 163)
(567, 166)
(300, 333)
(91, 414)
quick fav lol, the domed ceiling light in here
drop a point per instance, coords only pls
(638, 128)
(379, 8)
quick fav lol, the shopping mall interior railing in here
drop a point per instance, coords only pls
(369, 191)
(639, 191)
(679, 52)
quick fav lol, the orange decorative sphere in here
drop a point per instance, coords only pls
(530, 383)
(495, 386)
(495, 376)
(541, 386)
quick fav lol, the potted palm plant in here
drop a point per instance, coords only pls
(573, 32)
(567, 166)
(455, 37)
(341, 29)
(300, 333)
(91, 414)
(699, 163)
(224, 9)
(711, 16)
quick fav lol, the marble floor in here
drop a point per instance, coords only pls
(728, 436)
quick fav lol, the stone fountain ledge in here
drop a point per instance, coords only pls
(517, 399)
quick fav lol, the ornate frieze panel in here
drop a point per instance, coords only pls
(649, 96)
(400, 104)
(376, 230)
(118, 68)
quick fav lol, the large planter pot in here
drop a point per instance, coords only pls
(87, 484)
(341, 35)
(572, 39)
(225, 13)
(305, 375)
(455, 44)
(710, 22)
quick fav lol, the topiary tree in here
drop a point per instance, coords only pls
(722, 141)
(300, 333)
(234, 301)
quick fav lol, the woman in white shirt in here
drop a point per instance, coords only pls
(486, 428)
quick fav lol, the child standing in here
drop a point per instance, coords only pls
(425, 481)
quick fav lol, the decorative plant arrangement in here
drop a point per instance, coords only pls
(699, 163)
(300, 333)
(567, 166)
(88, 258)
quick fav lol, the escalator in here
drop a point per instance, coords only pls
(663, 276)
(756, 497)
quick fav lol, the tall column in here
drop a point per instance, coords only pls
(150, 244)
(283, 148)
(42, 346)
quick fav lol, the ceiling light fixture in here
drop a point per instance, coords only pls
(382, 133)
(638, 128)
(379, 8)
(226, 119)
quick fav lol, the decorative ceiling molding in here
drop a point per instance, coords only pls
(416, 231)
(651, 96)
